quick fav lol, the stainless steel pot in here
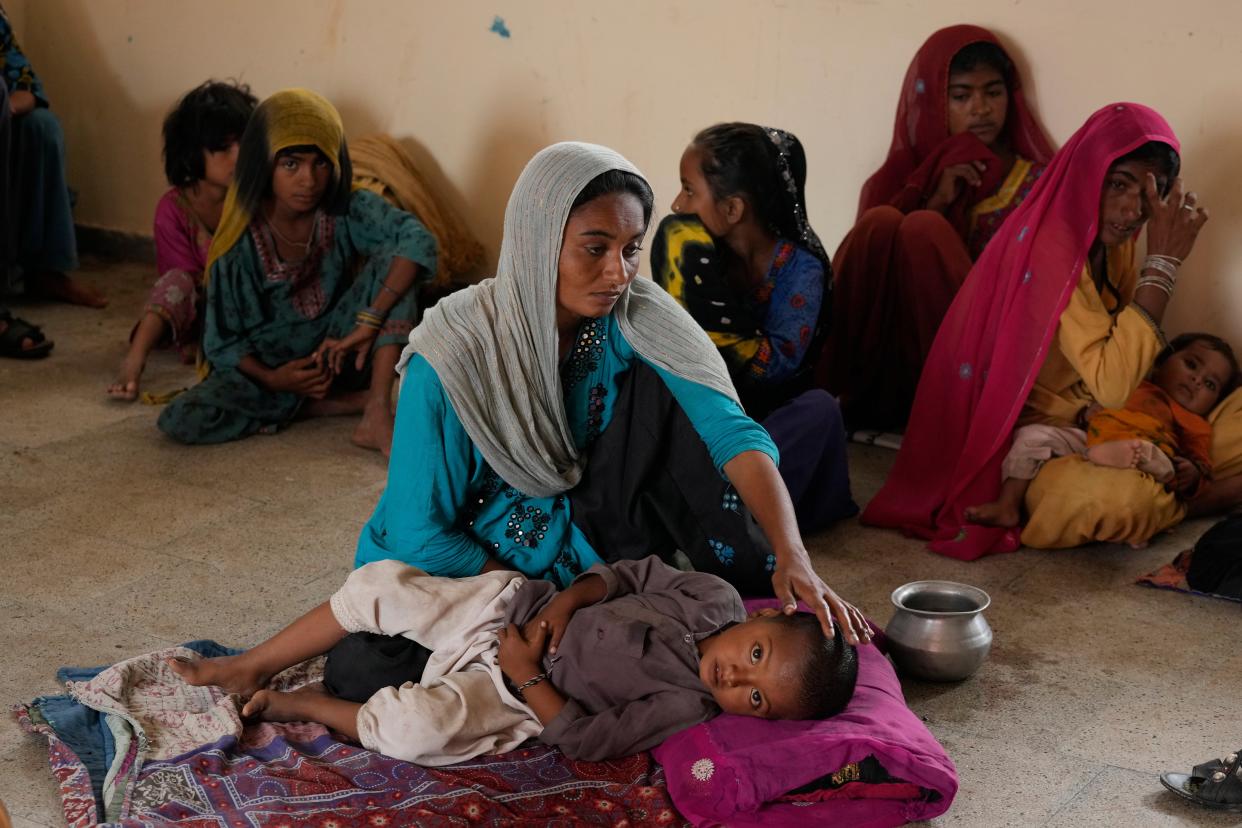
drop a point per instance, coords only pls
(938, 632)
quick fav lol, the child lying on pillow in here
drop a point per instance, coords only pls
(629, 654)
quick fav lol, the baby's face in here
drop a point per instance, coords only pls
(1194, 377)
(753, 668)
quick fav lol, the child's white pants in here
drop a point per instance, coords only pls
(461, 708)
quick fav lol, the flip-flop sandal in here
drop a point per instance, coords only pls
(15, 331)
(1214, 784)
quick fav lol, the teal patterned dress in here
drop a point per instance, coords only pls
(446, 512)
(275, 310)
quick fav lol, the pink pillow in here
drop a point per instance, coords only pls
(737, 769)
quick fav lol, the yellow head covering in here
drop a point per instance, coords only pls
(289, 118)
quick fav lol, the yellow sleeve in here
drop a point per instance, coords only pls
(1111, 354)
(1227, 436)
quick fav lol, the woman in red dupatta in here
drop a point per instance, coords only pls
(997, 341)
(966, 150)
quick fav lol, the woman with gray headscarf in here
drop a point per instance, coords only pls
(565, 413)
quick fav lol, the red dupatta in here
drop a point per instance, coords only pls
(994, 339)
(922, 148)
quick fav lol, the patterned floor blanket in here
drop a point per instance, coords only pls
(133, 745)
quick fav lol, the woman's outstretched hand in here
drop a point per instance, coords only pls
(1175, 219)
(794, 579)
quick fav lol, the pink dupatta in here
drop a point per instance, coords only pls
(994, 340)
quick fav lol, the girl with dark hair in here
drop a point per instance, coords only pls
(739, 254)
(966, 151)
(294, 323)
(1055, 317)
(201, 137)
(565, 413)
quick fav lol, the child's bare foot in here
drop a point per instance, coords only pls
(64, 288)
(375, 430)
(125, 389)
(996, 513)
(279, 706)
(1117, 454)
(233, 674)
(336, 405)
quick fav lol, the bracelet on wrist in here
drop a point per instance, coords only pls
(370, 318)
(519, 691)
(1166, 265)
(1156, 282)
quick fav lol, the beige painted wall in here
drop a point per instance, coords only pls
(641, 76)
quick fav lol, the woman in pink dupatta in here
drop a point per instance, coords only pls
(994, 341)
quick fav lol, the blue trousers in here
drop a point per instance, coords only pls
(39, 197)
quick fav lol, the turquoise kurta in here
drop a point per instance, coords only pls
(445, 511)
(278, 311)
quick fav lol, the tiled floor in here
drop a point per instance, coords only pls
(115, 541)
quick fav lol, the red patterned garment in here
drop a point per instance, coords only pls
(275, 778)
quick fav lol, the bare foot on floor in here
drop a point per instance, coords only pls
(995, 513)
(1117, 454)
(125, 389)
(63, 288)
(278, 706)
(375, 430)
(233, 674)
(336, 405)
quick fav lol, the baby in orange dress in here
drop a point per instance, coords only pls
(1161, 431)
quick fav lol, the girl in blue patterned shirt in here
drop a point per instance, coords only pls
(740, 255)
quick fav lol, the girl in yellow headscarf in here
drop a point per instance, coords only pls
(293, 324)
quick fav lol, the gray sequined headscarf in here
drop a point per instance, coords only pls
(494, 344)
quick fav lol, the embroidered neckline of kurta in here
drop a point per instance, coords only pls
(303, 276)
(587, 351)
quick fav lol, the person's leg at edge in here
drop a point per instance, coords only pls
(48, 245)
(375, 429)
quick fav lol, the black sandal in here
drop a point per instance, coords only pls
(1216, 784)
(15, 331)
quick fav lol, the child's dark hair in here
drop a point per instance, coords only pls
(740, 159)
(618, 181)
(1213, 342)
(982, 53)
(829, 667)
(254, 169)
(208, 117)
(1160, 155)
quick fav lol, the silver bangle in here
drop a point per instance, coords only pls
(1161, 264)
(1156, 281)
(530, 682)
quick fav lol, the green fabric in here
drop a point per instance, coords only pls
(279, 319)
